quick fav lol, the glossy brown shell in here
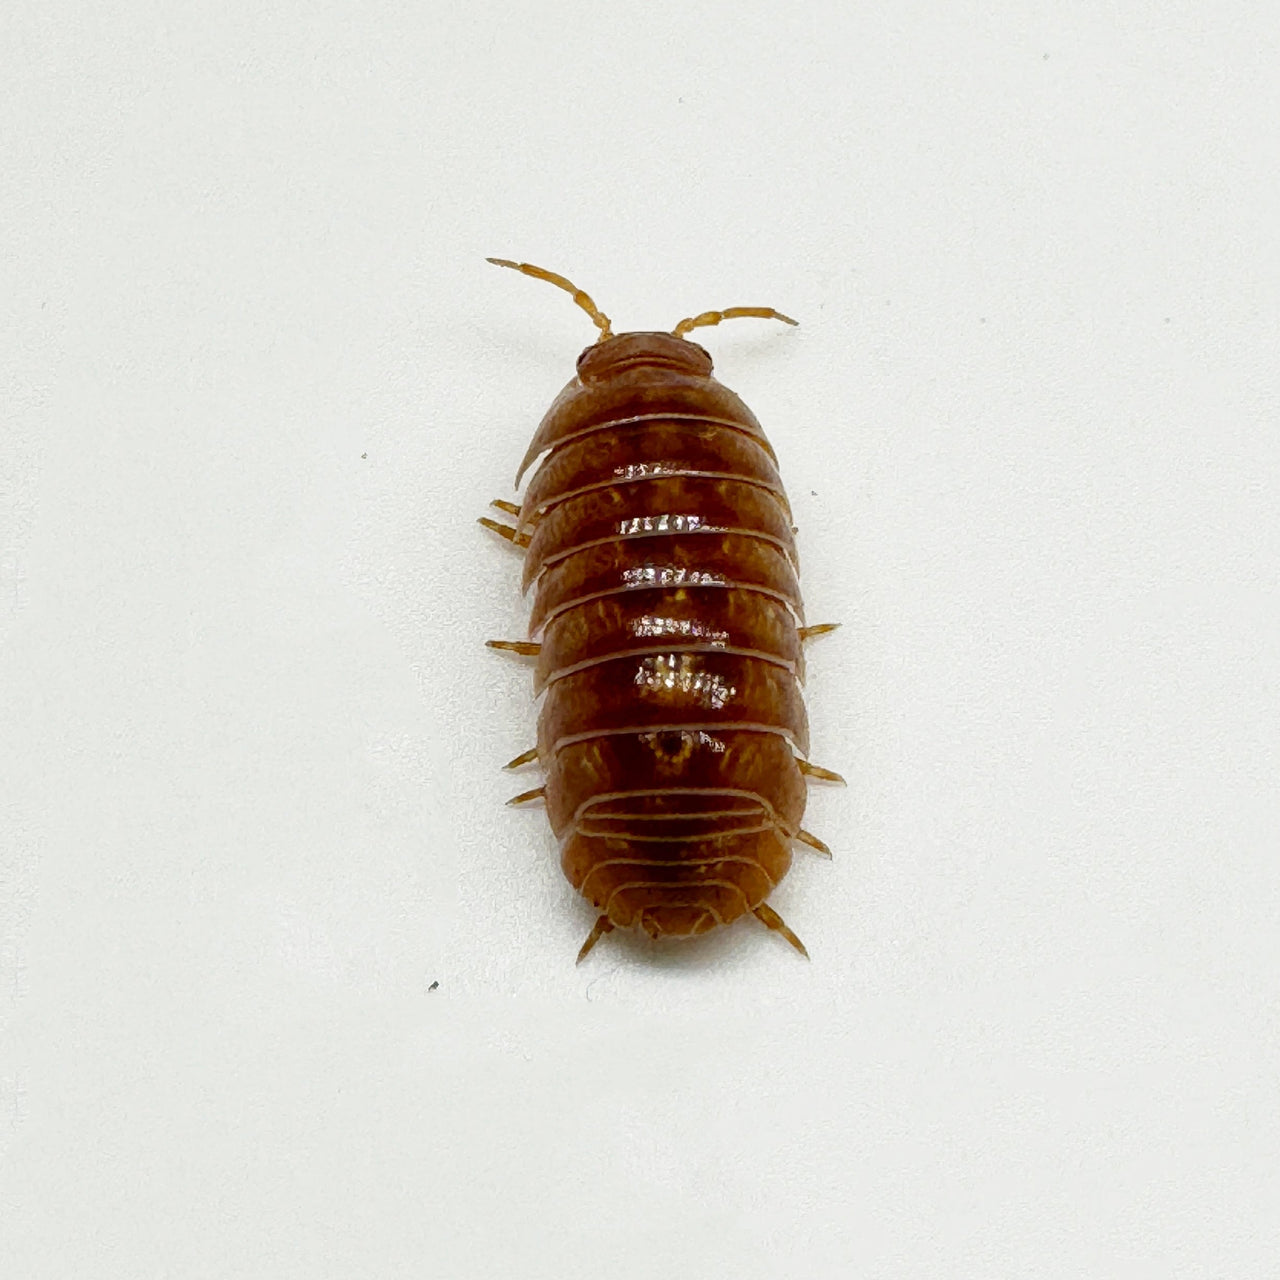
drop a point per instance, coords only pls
(667, 605)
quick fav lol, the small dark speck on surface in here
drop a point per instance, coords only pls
(364, 455)
(1166, 319)
(1046, 57)
(982, 319)
(813, 492)
(433, 986)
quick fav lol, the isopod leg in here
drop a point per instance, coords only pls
(511, 509)
(602, 926)
(807, 837)
(526, 647)
(525, 757)
(821, 629)
(538, 793)
(772, 920)
(812, 771)
(505, 531)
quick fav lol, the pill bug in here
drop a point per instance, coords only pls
(667, 631)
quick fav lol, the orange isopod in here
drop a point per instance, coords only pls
(667, 630)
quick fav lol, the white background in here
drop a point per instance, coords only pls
(258, 383)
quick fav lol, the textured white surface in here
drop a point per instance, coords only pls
(258, 383)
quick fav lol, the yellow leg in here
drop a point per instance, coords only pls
(503, 505)
(807, 633)
(812, 771)
(526, 647)
(733, 313)
(602, 926)
(772, 920)
(807, 837)
(505, 531)
(526, 757)
(525, 796)
(599, 319)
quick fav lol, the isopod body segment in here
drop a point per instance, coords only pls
(666, 634)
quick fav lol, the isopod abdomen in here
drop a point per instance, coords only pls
(666, 632)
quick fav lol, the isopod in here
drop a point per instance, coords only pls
(667, 631)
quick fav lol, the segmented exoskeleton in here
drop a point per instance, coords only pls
(667, 629)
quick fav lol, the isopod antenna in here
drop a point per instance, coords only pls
(580, 296)
(602, 322)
